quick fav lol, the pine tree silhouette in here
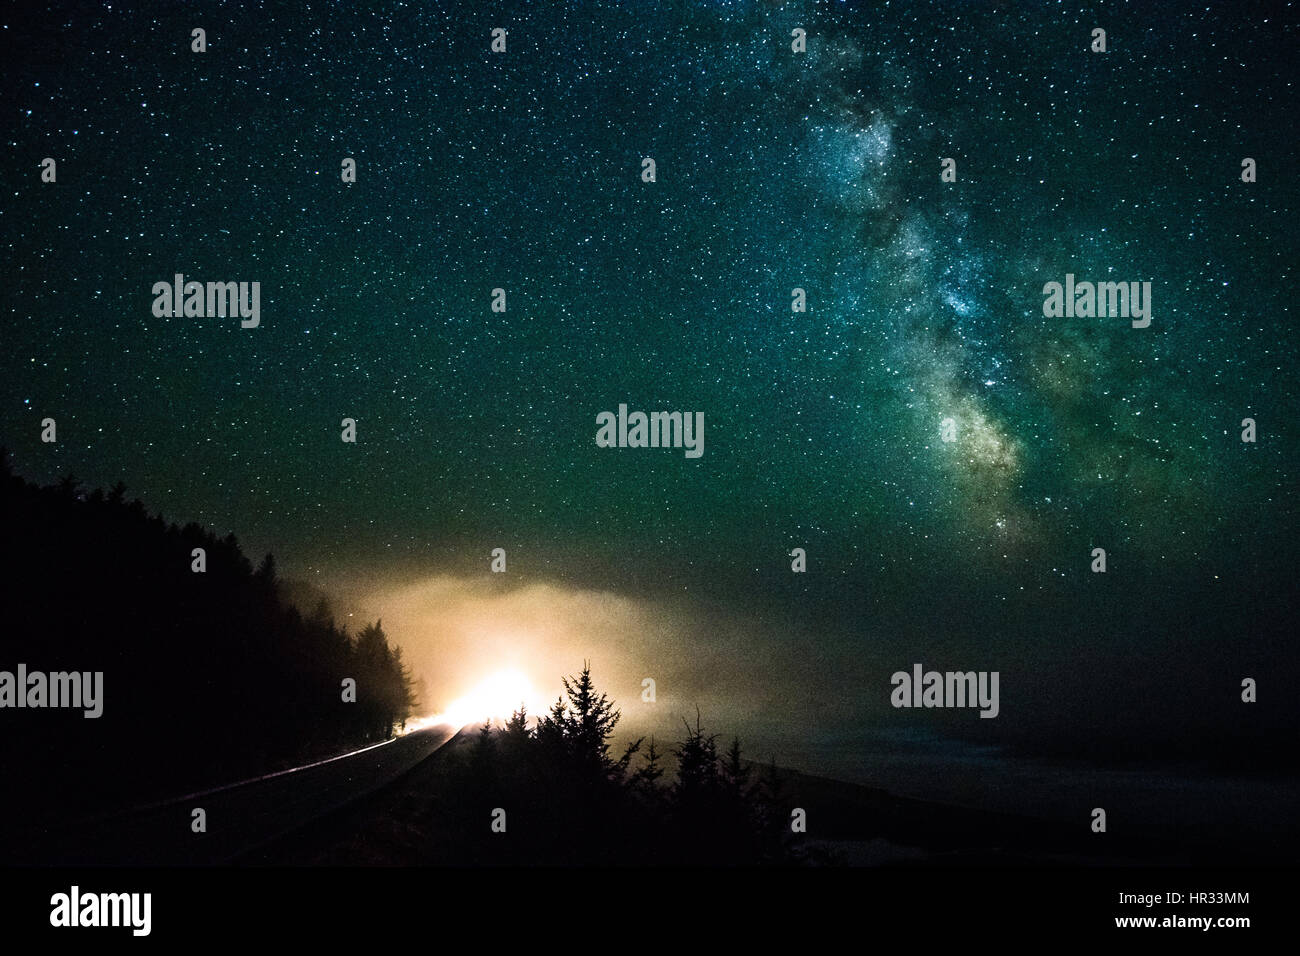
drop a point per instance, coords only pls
(214, 678)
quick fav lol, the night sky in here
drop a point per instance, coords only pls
(775, 170)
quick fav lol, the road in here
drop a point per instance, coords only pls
(240, 816)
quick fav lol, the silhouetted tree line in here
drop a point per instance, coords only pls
(208, 677)
(569, 800)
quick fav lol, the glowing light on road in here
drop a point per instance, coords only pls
(495, 698)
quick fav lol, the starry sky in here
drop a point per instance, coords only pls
(775, 170)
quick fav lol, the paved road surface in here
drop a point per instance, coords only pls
(240, 816)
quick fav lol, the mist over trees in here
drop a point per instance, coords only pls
(568, 799)
(209, 676)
